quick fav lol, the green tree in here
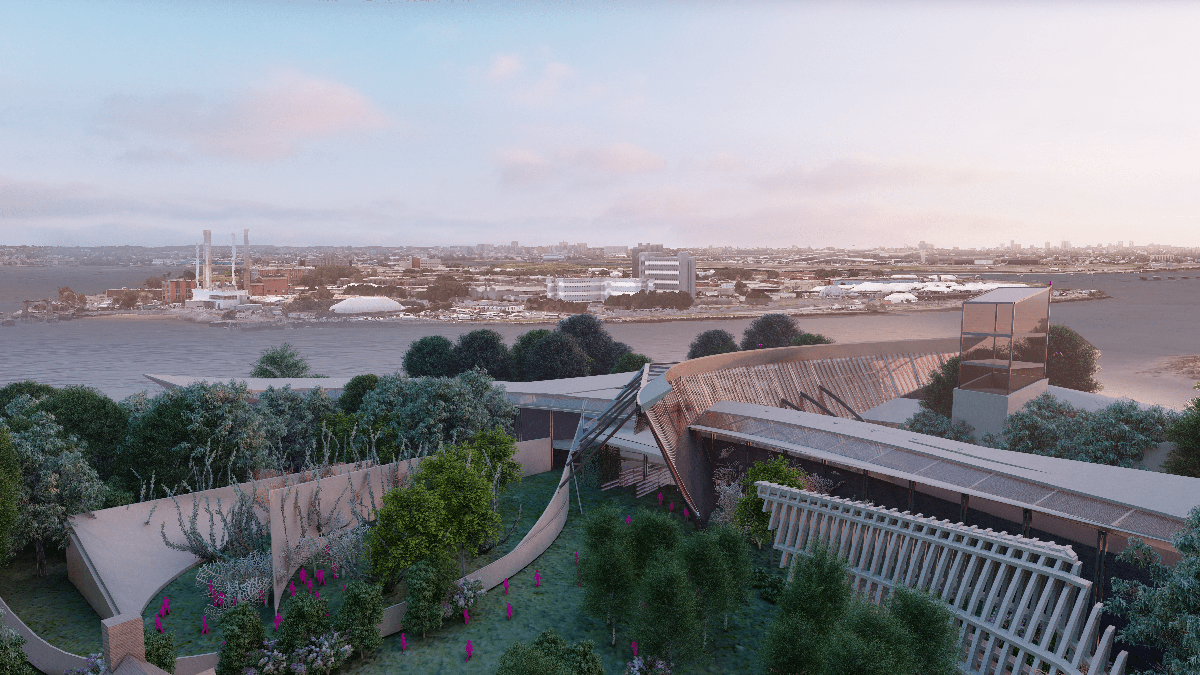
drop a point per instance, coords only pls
(492, 452)
(419, 414)
(551, 655)
(242, 636)
(630, 362)
(428, 582)
(281, 361)
(768, 331)
(181, 434)
(467, 495)
(732, 546)
(749, 513)
(931, 423)
(483, 349)
(411, 525)
(792, 645)
(804, 339)
(1184, 432)
(708, 570)
(444, 289)
(520, 350)
(1165, 613)
(600, 347)
(606, 567)
(938, 395)
(869, 641)
(554, 357)
(818, 590)
(651, 533)
(360, 615)
(1071, 360)
(931, 623)
(711, 342)
(11, 482)
(161, 649)
(431, 356)
(304, 616)
(35, 390)
(668, 625)
(56, 482)
(292, 423)
(357, 388)
(91, 417)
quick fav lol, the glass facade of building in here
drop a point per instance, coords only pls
(1004, 340)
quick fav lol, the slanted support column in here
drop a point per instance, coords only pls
(866, 475)
(912, 488)
(965, 506)
(122, 635)
(1026, 521)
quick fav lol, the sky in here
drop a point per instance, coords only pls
(683, 123)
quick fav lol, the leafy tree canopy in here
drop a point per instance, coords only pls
(1184, 432)
(292, 424)
(91, 417)
(551, 655)
(938, 395)
(520, 351)
(431, 356)
(482, 349)
(630, 362)
(589, 332)
(11, 482)
(804, 339)
(11, 392)
(281, 361)
(770, 330)
(422, 413)
(1071, 360)
(352, 395)
(556, 356)
(749, 513)
(712, 342)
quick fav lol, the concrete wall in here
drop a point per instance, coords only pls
(81, 573)
(535, 456)
(43, 655)
(987, 412)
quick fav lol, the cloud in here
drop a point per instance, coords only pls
(855, 174)
(254, 125)
(504, 67)
(526, 167)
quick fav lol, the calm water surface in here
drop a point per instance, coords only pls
(1137, 331)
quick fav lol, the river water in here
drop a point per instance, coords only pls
(1138, 330)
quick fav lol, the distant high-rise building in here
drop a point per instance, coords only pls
(1047, 246)
(642, 248)
(1120, 244)
(1066, 245)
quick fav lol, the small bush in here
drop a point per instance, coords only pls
(304, 617)
(772, 588)
(1184, 432)
(938, 395)
(551, 655)
(805, 339)
(12, 656)
(712, 342)
(359, 617)
(161, 650)
(931, 423)
(428, 581)
(242, 630)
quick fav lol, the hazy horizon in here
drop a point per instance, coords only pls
(748, 124)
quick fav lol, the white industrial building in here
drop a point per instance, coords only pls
(594, 289)
(668, 272)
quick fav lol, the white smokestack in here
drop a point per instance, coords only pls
(246, 258)
(233, 259)
(197, 264)
(207, 259)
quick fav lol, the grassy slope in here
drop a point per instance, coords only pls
(51, 606)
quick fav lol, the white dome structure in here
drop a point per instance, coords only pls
(367, 305)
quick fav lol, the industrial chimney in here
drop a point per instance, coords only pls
(233, 260)
(246, 258)
(207, 259)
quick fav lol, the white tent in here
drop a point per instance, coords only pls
(367, 305)
(897, 298)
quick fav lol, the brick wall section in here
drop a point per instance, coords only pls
(122, 635)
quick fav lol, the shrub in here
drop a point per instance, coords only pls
(1184, 432)
(12, 655)
(520, 350)
(91, 416)
(35, 390)
(431, 356)
(932, 626)
(1071, 360)
(304, 617)
(606, 566)
(630, 362)
(161, 650)
(651, 533)
(11, 481)
(938, 395)
(281, 361)
(668, 622)
(931, 423)
(243, 634)
(352, 395)
(869, 642)
(1117, 435)
(792, 645)
(749, 514)
(1164, 614)
(805, 339)
(712, 342)
(360, 615)
(428, 582)
(554, 357)
(818, 591)
(551, 655)
(770, 330)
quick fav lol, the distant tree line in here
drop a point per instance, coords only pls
(651, 300)
(766, 332)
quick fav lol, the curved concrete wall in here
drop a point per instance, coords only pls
(43, 655)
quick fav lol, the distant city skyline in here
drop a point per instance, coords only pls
(748, 124)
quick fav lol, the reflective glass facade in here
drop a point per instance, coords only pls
(1004, 340)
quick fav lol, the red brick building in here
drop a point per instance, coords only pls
(175, 291)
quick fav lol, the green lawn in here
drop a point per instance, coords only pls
(556, 604)
(50, 606)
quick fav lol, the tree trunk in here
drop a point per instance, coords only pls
(41, 557)
(614, 640)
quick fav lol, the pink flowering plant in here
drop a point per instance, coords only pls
(464, 595)
(322, 655)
